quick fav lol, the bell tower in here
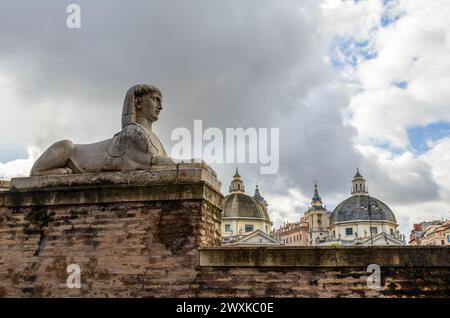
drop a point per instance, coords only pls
(318, 222)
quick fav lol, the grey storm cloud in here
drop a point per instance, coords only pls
(229, 63)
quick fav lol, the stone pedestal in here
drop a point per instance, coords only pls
(133, 234)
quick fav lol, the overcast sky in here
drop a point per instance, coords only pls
(348, 83)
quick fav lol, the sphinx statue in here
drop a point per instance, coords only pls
(135, 147)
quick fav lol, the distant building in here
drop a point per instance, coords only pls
(243, 214)
(293, 234)
(431, 233)
(417, 231)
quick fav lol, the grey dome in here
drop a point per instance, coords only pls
(356, 208)
(242, 205)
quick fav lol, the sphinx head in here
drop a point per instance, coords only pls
(142, 100)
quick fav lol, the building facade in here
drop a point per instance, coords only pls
(293, 234)
(417, 231)
(435, 233)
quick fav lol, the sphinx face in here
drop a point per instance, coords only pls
(149, 106)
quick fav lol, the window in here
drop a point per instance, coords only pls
(448, 238)
(227, 228)
(248, 227)
(301, 237)
(392, 231)
(373, 230)
(349, 231)
(442, 242)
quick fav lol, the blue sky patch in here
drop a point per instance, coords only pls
(401, 84)
(420, 135)
(389, 15)
(388, 146)
(387, 19)
(348, 51)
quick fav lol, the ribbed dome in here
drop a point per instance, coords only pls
(242, 205)
(356, 208)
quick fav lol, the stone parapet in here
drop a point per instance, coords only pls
(393, 256)
(323, 272)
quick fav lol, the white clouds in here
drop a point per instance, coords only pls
(394, 59)
(401, 179)
(438, 157)
(287, 208)
(350, 18)
(19, 167)
(413, 50)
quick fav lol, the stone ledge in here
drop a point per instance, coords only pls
(181, 182)
(182, 172)
(434, 256)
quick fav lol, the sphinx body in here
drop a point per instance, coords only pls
(136, 147)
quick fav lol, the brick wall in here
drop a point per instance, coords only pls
(130, 240)
(123, 249)
(323, 272)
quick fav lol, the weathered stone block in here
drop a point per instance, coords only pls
(128, 231)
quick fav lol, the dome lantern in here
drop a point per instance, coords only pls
(359, 184)
(237, 185)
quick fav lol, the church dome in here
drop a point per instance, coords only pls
(357, 206)
(240, 205)
(244, 206)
